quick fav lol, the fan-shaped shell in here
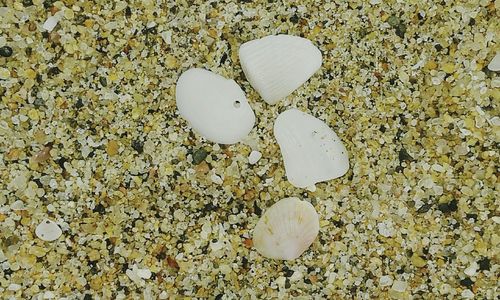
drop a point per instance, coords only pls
(286, 229)
(276, 65)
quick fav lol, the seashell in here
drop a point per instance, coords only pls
(48, 231)
(214, 106)
(494, 64)
(286, 229)
(311, 150)
(277, 65)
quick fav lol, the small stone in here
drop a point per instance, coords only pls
(48, 231)
(138, 146)
(144, 273)
(449, 68)
(14, 287)
(50, 23)
(42, 155)
(467, 282)
(467, 294)
(171, 61)
(404, 156)
(484, 264)
(112, 148)
(418, 261)
(399, 286)
(94, 255)
(99, 208)
(4, 73)
(472, 269)
(6, 51)
(448, 207)
(424, 208)
(199, 156)
(254, 157)
(385, 280)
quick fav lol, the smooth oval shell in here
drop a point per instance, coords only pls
(214, 106)
(311, 150)
(286, 229)
(276, 65)
(48, 231)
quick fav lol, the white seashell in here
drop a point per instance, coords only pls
(494, 64)
(48, 231)
(277, 65)
(286, 229)
(311, 150)
(215, 107)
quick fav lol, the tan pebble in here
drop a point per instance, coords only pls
(418, 261)
(431, 65)
(202, 168)
(112, 148)
(94, 255)
(448, 68)
(37, 251)
(42, 155)
(171, 61)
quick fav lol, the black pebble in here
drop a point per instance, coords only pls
(8, 272)
(467, 282)
(103, 81)
(472, 216)
(338, 223)
(99, 208)
(244, 262)
(219, 296)
(6, 51)
(448, 207)
(53, 71)
(223, 58)
(257, 209)
(128, 12)
(61, 162)
(138, 146)
(484, 264)
(79, 103)
(87, 297)
(382, 128)
(438, 47)
(294, 19)
(404, 156)
(424, 208)
(161, 256)
(287, 284)
(288, 272)
(199, 156)
(125, 267)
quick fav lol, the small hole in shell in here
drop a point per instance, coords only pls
(237, 104)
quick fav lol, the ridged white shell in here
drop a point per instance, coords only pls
(48, 231)
(277, 65)
(286, 229)
(311, 150)
(214, 106)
